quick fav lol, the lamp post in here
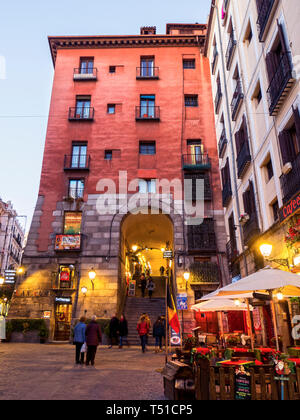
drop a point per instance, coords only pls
(266, 251)
(92, 276)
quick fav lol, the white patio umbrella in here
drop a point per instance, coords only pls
(263, 281)
(219, 305)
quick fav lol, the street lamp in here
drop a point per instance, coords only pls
(92, 276)
(20, 270)
(266, 250)
(134, 248)
(1, 281)
(84, 290)
(186, 276)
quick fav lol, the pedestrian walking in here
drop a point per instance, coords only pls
(143, 330)
(143, 284)
(93, 339)
(79, 340)
(123, 331)
(113, 330)
(150, 287)
(148, 320)
(158, 334)
(162, 270)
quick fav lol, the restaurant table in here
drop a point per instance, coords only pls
(235, 363)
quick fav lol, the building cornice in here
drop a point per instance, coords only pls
(135, 41)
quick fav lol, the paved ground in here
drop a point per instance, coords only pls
(47, 372)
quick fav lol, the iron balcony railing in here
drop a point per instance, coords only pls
(263, 16)
(196, 161)
(280, 83)
(85, 73)
(77, 162)
(230, 50)
(290, 183)
(222, 143)
(226, 193)
(231, 250)
(147, 72)
(215, 59)
(237, 99)
(81, 114)
(243, 159)
(205, 272)
(147, 113)
(251, 229)
(202, 238)
(76, 193)
(218, 99)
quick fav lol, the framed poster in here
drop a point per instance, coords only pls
(67, 242)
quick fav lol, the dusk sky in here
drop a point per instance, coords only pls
(26, 71)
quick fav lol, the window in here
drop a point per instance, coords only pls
(191, 100)
(248, 34)
(83, 105)
(275, 209)
(108, 154)
(147, 148)
(257, 94)
(79, 155)
(147, 103)
(195, 150)
(111, 108)
(72, 223)
(289, 139)
(147, 66)
(76, 188)
(147, 186)
(189, 63)
(86, 65)
(269, 168)
(65, 277)
(112, 69)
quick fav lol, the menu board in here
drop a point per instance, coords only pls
(242, 386)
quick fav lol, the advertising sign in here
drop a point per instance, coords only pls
(10, 276)
(175, 338)
(242, 385)
(47, 314)
(290, 208)
(182, 302)
(67, 242)
(131, 288)
(63, 300)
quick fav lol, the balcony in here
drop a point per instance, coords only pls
(290, 183)
(89, 74)
(147, 113)
(196, 162)
(251, 229)
(231, 251)
(77, 162)
(202, 238)
(222, 143)
(243, 160)
(218, 99)
(215, 60)
(205, 272)
(230, 51)
(81, 114)
(237, 100)
(264, 15)
(67, 243)
(226, 193)
(281, 84)
(207, 188)
(76, 193)
(147, 73)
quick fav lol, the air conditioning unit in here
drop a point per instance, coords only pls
(287, 168)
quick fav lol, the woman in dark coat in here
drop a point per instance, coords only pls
(123, 331)
(113, 330)
(158, 333)
(93, 339)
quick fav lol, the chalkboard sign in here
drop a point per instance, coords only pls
(242, 386)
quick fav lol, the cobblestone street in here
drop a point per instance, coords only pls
(47, 372)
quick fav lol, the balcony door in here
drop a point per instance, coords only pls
(195, 150)
(147, 103)
(79, 156)
(83, 108)
(86, 65)
(147, 66)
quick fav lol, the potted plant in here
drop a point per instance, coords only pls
(232, 340)
(43, 334)
(244, 218)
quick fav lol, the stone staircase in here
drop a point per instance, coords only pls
(134, 307)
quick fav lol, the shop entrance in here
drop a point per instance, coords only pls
(62, 322)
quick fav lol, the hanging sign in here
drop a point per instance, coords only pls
(168, 254)
(182, 302)
(290, 208)
(64, 300)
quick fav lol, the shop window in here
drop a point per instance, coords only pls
(72, 223)
(66, 277)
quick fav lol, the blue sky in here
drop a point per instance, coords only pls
(25, 91)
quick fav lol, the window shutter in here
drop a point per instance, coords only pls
(259, 5)
(287, 148)
(238, 142)
(281, 36)
(252, 199)
(272, 63)
(297, 123)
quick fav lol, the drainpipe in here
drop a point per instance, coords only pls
(233, 158)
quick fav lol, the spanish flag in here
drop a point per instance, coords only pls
(172, 312)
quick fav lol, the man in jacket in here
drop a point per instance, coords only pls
(79, 340)
(93, 339)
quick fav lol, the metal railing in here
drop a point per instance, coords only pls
(198, 160)
(147, 113)
(251, 228)
(147, 72)
(263, 16)
(77, 162)
(205, 272)
(226, 193)
(243, 159)
(231, 250)
(81, 114)
(279, 83)
(290, 183)
(222, 143)
(76, 193)
(230, 50)
(237, 98)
